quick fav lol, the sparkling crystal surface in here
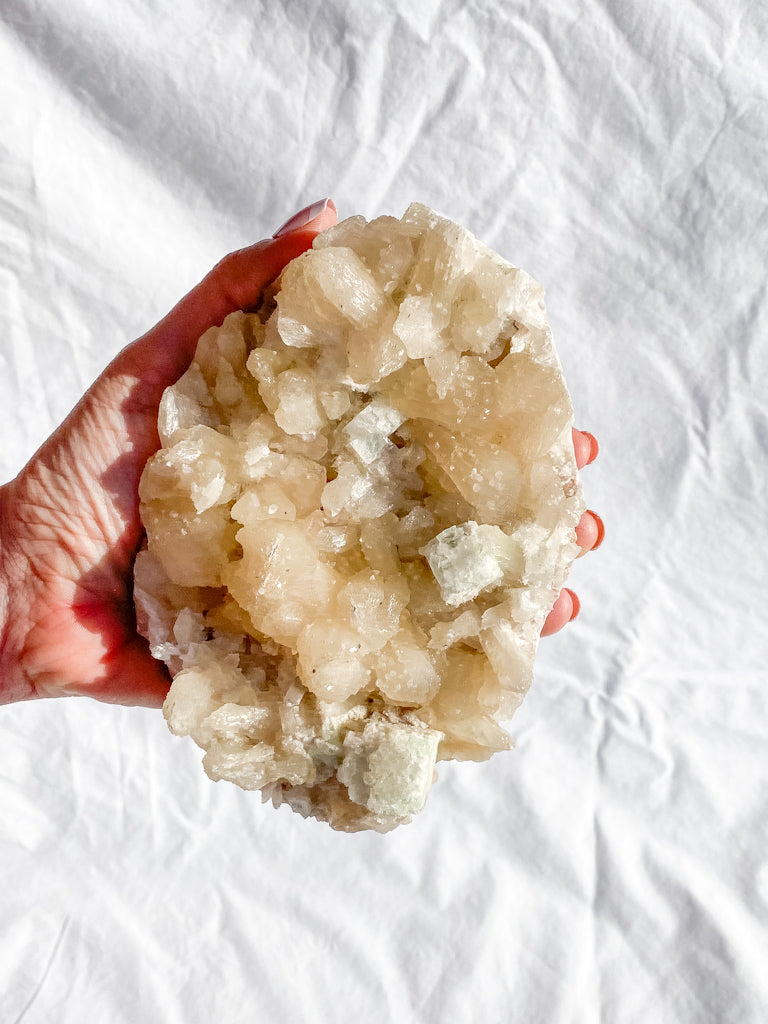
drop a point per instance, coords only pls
(361, 514)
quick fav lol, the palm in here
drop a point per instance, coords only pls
(77, 521)
(72, 516)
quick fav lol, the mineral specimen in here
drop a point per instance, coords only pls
(362, 511)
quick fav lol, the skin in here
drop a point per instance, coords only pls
(69, 522)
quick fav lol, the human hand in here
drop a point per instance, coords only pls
(69, 523)
(589, 535)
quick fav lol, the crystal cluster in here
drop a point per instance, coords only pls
(361, 513)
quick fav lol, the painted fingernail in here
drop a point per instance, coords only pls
(575, 602)
(594, 447)
(600, 529)
(303, 217)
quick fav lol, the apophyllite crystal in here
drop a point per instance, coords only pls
(361, 514)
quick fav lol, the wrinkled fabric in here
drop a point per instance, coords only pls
(613, 868)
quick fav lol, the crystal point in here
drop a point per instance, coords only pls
(361, 513)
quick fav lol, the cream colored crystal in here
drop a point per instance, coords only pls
(363, 509)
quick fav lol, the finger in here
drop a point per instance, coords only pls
(585, 446)
(590, 531)
(136, 678)
(236, 282)
(306, 216)
(564, 610)
(239, 283)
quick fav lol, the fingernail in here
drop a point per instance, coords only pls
(576, 604)
(303, 217)
(594, 447)
(600, 529)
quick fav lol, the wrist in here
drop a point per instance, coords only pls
(13, 684)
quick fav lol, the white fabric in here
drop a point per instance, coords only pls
(613, 868)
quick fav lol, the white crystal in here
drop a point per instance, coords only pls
(369, 431)
(389, 766)
(463, 562)
(362, 510)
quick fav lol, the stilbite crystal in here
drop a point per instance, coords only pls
(363, 509)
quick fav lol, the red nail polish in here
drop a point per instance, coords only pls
(576, 604)
(594, 447)
(303, 217)
(600, 529)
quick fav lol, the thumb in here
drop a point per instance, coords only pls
(236, 282)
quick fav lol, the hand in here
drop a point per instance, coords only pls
(589, 535)
(69, 523)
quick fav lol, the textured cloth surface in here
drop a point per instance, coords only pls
(613, 868)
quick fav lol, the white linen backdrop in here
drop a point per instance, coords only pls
(613, 868)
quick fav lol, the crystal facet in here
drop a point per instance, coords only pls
(362, 511)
